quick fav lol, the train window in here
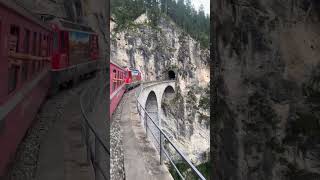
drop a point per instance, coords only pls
(120, 78)
(39, 45)
(114, 80)
(55, 41)
(24, 71)
(33, 67)
(26, 41)
(62, 35)
(97, 42)
(34, 42)
(13, 77)
(48, 46)
(78, 8)
(14, 38)
(44, 49)
(38, 66)
(118, 82)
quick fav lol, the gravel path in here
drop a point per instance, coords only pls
(25, 164)
(117, 158)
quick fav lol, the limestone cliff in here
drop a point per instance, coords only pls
(267, 75)
(156, 51)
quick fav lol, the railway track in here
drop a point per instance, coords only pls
(25, 164)
(117, 155)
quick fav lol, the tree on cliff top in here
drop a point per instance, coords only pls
(194, 22)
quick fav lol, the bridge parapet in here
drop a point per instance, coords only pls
(148, 99)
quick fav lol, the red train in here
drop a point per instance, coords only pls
(133, 78)
(36, 56)
(73, 46)
(121, 79)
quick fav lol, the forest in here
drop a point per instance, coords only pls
(195, 22)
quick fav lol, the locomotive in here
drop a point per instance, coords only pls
(73, 46)
(36, 57)
(121, 80)
(133, 78)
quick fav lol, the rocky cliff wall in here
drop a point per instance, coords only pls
(267, 75)
(156, 51)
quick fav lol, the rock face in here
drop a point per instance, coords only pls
(165, 52)
(267, 75)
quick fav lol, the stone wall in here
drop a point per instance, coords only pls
(267, 62)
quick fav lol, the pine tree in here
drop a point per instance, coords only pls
(196, 23)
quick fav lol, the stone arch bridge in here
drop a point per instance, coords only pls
(150, 95)
(155, 91)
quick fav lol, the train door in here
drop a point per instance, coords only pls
(14, 65)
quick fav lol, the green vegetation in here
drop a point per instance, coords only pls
(194, 22)
(204, 101)
(186, 172)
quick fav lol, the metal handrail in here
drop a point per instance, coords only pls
(162, 149)
(93, 153)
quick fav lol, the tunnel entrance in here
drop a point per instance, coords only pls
(152, 108)
(171, 75)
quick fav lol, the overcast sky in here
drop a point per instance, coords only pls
(206, 4)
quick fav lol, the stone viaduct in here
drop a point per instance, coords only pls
(150, 96)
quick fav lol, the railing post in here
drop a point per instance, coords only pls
(146, 126)
(161, 148)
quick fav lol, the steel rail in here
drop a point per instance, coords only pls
(194, 169)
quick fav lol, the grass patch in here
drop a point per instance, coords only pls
(187, 173)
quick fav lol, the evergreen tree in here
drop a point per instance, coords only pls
(196, 23)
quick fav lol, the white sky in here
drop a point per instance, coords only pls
(206, 5)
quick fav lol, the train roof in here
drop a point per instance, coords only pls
(23, 12)
(71, 26)
(116, 64)
(124, 67)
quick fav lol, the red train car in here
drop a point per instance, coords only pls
(75, 51)
(25, 50)
(133, 78)
(117, 85)
(121, 79)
